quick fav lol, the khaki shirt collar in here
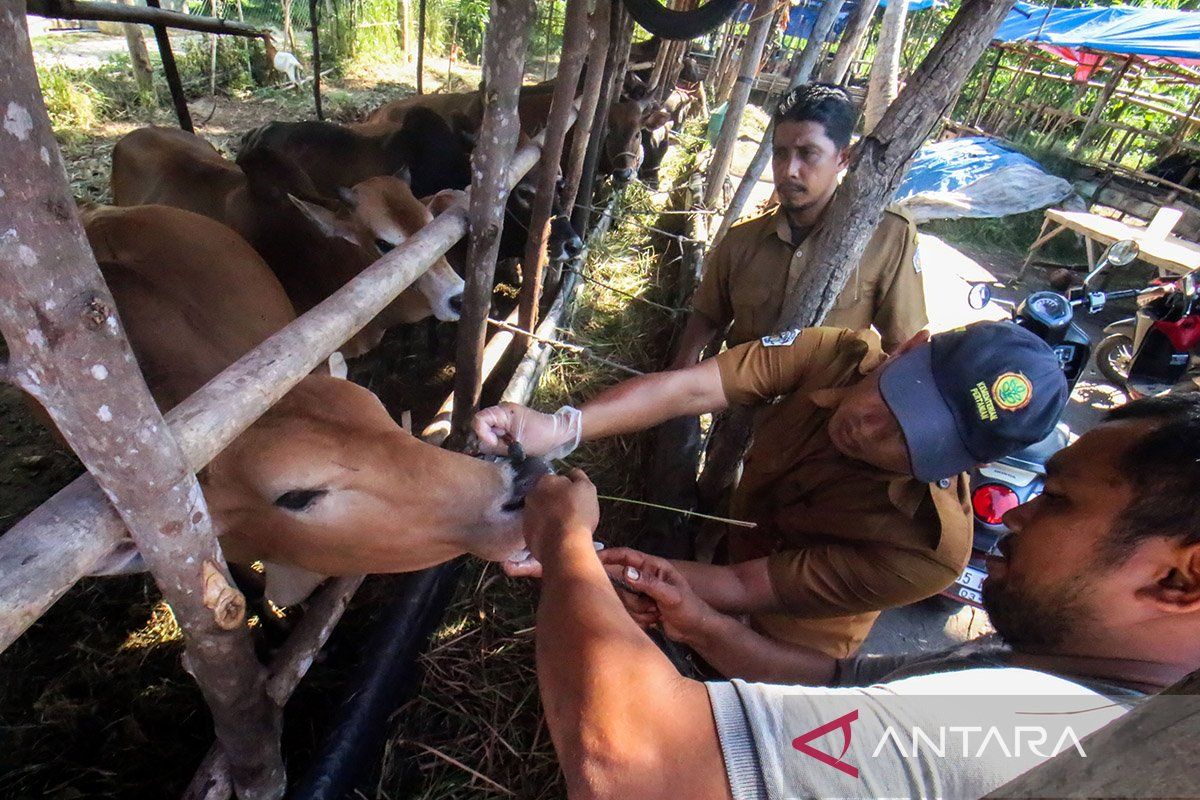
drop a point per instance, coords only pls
(781, 227)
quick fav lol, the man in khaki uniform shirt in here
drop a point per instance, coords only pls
(854, 482)
(749, 272)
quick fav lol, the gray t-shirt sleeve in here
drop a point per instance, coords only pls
(925, 736)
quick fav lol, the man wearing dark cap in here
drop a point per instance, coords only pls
(854, 483)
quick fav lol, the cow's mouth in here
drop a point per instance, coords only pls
(527, 471)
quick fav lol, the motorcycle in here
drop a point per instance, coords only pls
(1002, 485)
(1151, 352)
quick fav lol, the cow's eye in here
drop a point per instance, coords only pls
(298, 499)
(384, 245)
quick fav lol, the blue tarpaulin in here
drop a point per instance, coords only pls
(802, 17)
(1126, 30)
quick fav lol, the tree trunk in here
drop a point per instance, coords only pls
(287, 26)
(593, 83)
(885, 69)
(851, 42)
(404, 9)
(747, 69)
(806, 61)
(503, 67)
(139, 56)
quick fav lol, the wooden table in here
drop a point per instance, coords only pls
(1170, 254)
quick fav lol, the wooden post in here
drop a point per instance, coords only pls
(878, 164)
(620, 26)
(885, 69)
(421, 11)
(748, 68)
(171, 70)
(576, 38)
(985, 86)
(404, 10)
(503, 65)
(851, 42)
(139, 57)
(598, 23)
(68, 351)
(1106, 93)
(1143, 753)
(314, 20)
(716, 67)
(805, 63)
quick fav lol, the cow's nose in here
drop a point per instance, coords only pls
(456, 302)
(623, 175)
(526, 473)
(573, 245)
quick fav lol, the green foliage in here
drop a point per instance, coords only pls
(233, 66)
(77, 99)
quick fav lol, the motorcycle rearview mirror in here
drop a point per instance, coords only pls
(1117, 254)
(979, 295)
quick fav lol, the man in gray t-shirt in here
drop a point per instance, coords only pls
(1097, 600)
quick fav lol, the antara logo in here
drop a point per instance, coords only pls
(842, 723)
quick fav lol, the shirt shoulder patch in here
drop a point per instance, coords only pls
(781, 339)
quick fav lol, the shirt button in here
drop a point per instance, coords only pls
(944, 483)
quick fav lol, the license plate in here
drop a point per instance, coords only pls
(972, 579)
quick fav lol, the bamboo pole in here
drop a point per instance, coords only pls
(985, 86)
(503, 65)
(852, 41)
(576, 38)
(68, 351)
(747, 69)
(885, 69)
(598, 23)
(805, 63)
(421, 12)
(152, 14)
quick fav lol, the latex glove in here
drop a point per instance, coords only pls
(550, 435)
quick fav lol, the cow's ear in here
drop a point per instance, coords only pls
(655, 118)
(404, 174)
(325, 220)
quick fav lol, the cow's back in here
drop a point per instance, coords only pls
(171, 167)
(192, 295)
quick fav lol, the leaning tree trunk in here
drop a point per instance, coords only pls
(879, 162)
(851, 42)
(885, 69)
(806, 61)
(139, 56)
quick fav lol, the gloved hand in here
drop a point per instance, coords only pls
(551, 435)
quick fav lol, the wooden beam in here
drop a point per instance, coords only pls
(576, 38)
(1106, 93)
(150, 15)
(503, 66)
(68, 351)
(722, 153)
(598, 22)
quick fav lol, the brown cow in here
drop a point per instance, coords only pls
(314, 244)
(325, 481)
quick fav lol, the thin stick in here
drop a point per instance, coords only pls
(741, 523)
(624, 293)
(464, 768)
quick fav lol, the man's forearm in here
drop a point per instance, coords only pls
(734, 589)
(641, 403)
(737, 651)
(623, 721)
(697, 333)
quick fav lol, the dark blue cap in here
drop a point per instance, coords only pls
(973, 395)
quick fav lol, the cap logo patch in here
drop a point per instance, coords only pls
(1012, 391)
(984, 406)
(783, 339)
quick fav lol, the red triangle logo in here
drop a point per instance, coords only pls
(842, 723)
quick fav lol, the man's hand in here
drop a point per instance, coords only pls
(668, 599)
(551, 435)
(560, 508)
